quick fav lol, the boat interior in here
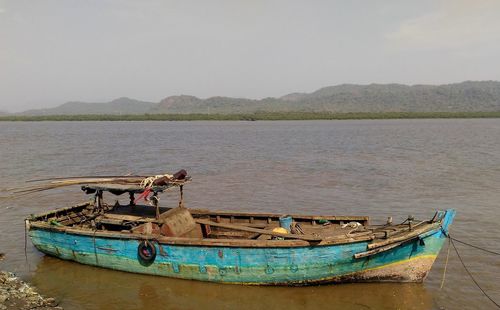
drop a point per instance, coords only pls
(149, 219)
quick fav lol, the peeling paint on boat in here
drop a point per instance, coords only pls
(409, 262)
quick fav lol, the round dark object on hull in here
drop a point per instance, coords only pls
(146, 252)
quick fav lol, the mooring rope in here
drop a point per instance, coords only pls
(474, 246)
(446, 264)
(469, 273)
(26, 247)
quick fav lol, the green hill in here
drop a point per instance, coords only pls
(347, 98)
(118, 106)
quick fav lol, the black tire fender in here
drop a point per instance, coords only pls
(146, 252)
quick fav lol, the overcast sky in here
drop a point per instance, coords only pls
(56, 51)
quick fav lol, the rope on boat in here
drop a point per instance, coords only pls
(148, 182)
(95, 249)
(469, 273)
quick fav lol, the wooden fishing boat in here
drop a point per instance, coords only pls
(235, 247)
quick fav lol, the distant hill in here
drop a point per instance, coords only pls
(468, 96)
(461, 97)
(118, 106)
(189, 104)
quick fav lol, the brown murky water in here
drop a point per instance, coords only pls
(378, 168)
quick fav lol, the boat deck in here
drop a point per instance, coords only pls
(223, 225)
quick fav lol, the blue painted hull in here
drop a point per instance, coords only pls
(408, 262)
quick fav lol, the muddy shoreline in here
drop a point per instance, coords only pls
(16, 294)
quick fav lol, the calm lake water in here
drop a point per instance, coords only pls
(378, 168)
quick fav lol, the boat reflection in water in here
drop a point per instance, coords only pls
(86, 287)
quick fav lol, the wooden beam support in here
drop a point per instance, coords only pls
(260, 231)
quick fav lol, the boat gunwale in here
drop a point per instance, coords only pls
(277, 215)
(183, 241)
(36, 221)
(365, 219)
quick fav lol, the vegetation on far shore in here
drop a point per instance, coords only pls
(260, 116)
(471, 96)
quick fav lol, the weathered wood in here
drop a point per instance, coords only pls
(109, 221)
(141, 219)
(171, 240)
(73, 218)
(276, 216)
(239, 247)
(258, 230)
(404, 237)
(235, 234)
(219, 214)
(197, 242)
(129, 218)
(223, 216)
(59, 211)
(377, 250)
(360, 233)
(392, 230)
(271, 262)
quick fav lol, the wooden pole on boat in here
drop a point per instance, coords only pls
(87, 177)
(155, 201)
(181, 199)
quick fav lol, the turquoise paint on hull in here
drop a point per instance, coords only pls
(288, 265)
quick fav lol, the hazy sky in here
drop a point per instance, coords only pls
(56, 51)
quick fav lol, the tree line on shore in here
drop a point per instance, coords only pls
(258, 116)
